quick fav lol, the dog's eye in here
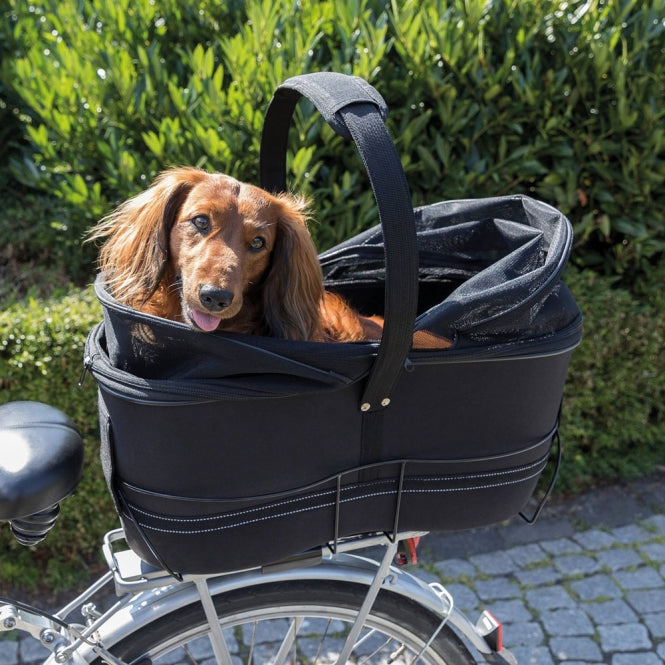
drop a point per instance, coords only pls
(257, 243)
(201, 222)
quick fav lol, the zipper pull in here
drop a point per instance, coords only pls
(87, 364)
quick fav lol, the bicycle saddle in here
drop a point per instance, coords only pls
(41, 460)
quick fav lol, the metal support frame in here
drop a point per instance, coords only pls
(217, 639)
(370, 597)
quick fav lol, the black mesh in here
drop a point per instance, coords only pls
(489, 269)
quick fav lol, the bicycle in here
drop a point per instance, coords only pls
(331, 605)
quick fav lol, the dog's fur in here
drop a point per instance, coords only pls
(216, 253)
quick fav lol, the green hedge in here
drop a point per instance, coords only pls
(41, 350)
(614, 402)
(613, 422)
(564, 100)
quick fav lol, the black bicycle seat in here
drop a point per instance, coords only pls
(41, 458)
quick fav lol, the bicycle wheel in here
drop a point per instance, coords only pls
(301, 622)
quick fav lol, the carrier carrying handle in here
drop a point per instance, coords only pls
(355, 110)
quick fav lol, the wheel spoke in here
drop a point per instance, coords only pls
(188, 655)
(378, 650)
(289, 642)
(322, 640)
(252, 644)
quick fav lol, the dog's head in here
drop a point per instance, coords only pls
(213, 252)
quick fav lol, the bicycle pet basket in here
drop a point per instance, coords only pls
(225, 451)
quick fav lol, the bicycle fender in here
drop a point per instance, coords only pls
(158, 601)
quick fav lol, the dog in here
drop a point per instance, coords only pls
(218, 254)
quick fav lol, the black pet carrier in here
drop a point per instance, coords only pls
(224, 451)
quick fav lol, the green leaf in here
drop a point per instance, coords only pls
(154, 143)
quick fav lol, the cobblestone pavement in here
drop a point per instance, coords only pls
(584, 585)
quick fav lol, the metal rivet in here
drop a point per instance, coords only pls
(365, 407)
(47, 636)
(385, 401)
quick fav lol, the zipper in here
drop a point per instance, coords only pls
(149, 391)
(87, 368)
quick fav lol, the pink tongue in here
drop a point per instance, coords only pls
(206, 322)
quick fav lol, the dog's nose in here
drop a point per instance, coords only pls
(214, 299)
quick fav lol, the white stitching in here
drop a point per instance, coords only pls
(347, 489)
(319, 507)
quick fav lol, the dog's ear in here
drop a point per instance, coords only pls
(293, 288)
(161, 251)
(134, 255)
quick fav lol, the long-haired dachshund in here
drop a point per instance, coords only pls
(218, 254)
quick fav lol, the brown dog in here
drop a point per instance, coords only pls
(218, 254)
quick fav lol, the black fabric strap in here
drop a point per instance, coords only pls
(329, 92)
(354, 109)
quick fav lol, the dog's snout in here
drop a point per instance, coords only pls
(214, 299)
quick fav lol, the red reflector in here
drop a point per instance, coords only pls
(491, 630)
(408, 551)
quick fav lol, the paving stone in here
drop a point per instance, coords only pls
(549, 598)
(643, 578)
(272, 631)
(633, 533)
(576, 564)
(456, 568)
(594, 540)
(496, 589)
(527, 555)
(596, 586)
(610, 612)
(32, 651)
(427, 576)
(647, 601)
(538, 576)
(567, 622)
(496, 563)
(656, 624)
(636, 659)
(579, 648)
(464, 597)
(201, 648)
(176, 657)
(624, 637)
(8, 651)
(528, 633)
(561, 546)
(510, 611)
(656, 522)
(617, 559)
(661, 650)
(654, 552)
(533, 656)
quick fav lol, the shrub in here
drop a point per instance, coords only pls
(31, 258)
(564, 100)
(614, 404)
(41, 350)
(11, 129)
